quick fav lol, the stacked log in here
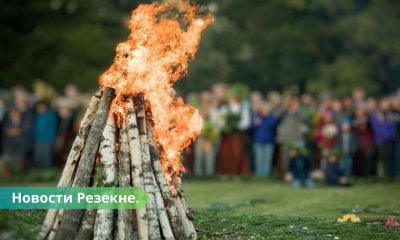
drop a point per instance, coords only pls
(108, 153)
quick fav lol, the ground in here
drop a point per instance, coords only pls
(260, 209)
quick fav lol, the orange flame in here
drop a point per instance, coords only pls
(164, 38)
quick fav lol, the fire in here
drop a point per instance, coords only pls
(164, 38)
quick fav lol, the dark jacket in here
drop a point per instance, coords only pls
(300, 167)
(332, 173)
(347, 147)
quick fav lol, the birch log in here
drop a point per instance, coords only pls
(186, 224)
(72, 161)
(103, 228)
(53, 231)
(77, 147)
(163, 216)
(181, 196)
(125, 217)
(85, 231)
(136, 167)
(148, 179)
(71, 219)
(175, 221)
(188, 210)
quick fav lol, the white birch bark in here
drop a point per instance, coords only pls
(125, 216)
(85, 231)
(163, 216)
(103, 227)
(175, 221)
(136, 168)
(149, 184)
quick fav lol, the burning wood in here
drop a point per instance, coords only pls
(134, 130)
(132, 148)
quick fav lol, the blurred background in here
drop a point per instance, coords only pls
(311, 46)
(297, 92)
(328, 63)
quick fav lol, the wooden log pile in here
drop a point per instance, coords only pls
(124, 154)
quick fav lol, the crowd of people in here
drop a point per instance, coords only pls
(38, 128)
(298, 137)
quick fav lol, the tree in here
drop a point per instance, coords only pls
(313, 44)
(60, 41)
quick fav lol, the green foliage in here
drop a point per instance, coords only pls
(342, 75)
(209, 131)
(20, 224)
(231, 122)
(316, 45)
(60, 41)
(299, 147)
(239, 90)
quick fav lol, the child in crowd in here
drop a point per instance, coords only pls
(13, 146)
(347, 146)
(300, 167)
(334, 175)
(45, 133)
(263, 132)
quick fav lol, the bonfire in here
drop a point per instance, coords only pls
(134, 131)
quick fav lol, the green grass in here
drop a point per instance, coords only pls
(273, 210)
(258, 209)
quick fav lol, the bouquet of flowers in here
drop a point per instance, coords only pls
(329, 131)
(209, 131)
(231, 122)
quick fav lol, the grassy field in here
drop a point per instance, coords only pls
(259, 209)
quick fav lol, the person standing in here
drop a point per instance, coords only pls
(22, 101)
(233, 158)
(65, 134)
(384, 129)
(396, 149)
(364, 158)
(206, 144)
(326, 135)
(290, 129)
(347, 145)
(263, 137)
(13, 141)
(45, 134)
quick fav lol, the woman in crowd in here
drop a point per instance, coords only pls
(384, 129)
(364, 156)
(326, 134)
(13, 140)
(290, 129)
(207, 143)
(233, 158)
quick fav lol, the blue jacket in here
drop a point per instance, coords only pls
(265, 132)
(45, 130)
(384, 131)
